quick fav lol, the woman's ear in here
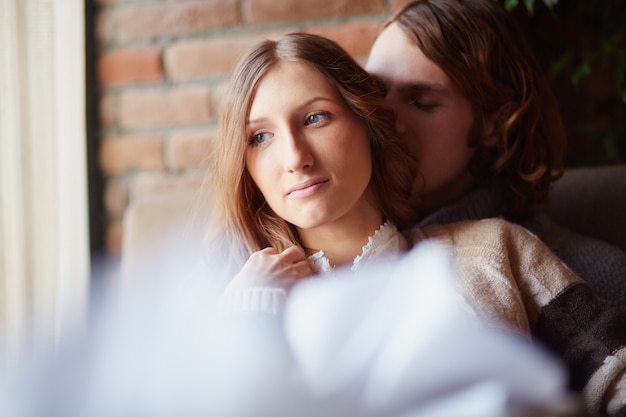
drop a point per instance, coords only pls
(494, 123)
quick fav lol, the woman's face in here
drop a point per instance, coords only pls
(433, 118)
(308, 153)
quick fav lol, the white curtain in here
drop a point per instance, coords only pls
(44, 250)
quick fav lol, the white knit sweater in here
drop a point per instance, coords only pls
(386, 242)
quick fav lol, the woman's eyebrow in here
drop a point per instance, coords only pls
(257, 120)
(305, 104)
(316, 99)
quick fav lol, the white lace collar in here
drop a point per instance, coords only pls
(386, 241)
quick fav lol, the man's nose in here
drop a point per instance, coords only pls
(401, 125)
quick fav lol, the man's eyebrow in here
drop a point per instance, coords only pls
(417, 86)
(421, 87)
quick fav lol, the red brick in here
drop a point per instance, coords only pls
(192, 59)
(130, 66)
(164, 106)
(272, 11)
(115, 198)
(218, 92)
(149, 21)
(356, 38)
(107, 110)
(125, 153)
(103, 27)
(189, 148)
(396, 4)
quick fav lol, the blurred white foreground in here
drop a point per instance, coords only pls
(392, 340)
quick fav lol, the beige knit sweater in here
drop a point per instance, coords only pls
(513, 280)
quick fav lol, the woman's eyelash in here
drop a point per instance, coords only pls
(314, 117)
(253, 139)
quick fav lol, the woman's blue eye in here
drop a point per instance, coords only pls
(316, 118)
(258, 138)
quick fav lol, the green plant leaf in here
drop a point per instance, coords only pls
(581, 72)
(559, 65)
(510, 4)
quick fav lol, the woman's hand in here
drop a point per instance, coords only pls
(270, 268)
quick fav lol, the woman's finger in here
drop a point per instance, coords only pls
(293, 254)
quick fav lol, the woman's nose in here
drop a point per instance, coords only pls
(296, 153)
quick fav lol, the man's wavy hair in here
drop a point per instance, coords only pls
(241, 216)
(485, 54)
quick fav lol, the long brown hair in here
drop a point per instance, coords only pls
(241, 215)
(482, 50)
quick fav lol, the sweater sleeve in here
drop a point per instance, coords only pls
(252, 300)
(509, 274)
(590, 335)
(586, 331)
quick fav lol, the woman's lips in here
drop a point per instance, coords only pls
(307, 188)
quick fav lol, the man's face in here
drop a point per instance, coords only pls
(434, 119)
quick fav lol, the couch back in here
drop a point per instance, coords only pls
(592, 201)
(162, 235)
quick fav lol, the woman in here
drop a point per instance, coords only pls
(307, 175)
(293, 172)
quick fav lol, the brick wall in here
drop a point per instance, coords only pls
(162, 65)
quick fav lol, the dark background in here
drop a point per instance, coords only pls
(582, 46)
